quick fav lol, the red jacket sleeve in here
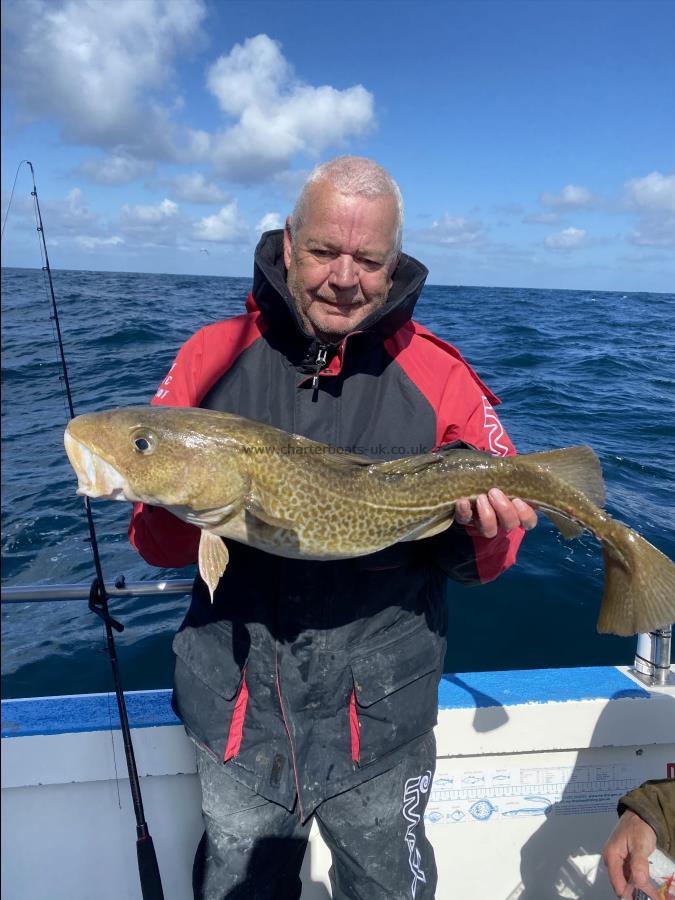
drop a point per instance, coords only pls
(483, 430)
(464, 412)
(161, 538)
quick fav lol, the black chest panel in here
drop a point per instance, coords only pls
(370, 407)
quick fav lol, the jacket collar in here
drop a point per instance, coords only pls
(274, 300)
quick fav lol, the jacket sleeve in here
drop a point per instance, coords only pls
(161, 538)
(654, 801)
(461, 552)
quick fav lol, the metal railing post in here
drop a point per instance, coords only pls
(652, 657)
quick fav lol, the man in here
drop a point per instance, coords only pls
(310, 688)
(647, 820)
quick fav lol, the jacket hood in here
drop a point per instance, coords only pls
(277, 306)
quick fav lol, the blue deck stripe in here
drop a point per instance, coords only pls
(483, 689)
(88, 712)
(146, 709)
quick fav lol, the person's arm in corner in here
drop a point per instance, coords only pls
(647, 820)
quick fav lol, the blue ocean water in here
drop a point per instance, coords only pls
(570, 367)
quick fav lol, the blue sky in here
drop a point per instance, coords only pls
(534, 142)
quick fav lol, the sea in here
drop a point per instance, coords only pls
(570, 367)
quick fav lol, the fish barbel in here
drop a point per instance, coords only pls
(294, 497)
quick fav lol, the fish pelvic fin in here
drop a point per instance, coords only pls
(213, 558)
(578, 466)
(639, 593)
(436, 527)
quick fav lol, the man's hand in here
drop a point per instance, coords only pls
(493, 511)
(626, 855)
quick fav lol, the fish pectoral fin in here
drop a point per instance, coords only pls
(255, 508)
(578, 466)
(567, 527)
(213, 558)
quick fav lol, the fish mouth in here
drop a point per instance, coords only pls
(95, 477)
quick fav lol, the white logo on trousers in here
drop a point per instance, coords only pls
(411, 798)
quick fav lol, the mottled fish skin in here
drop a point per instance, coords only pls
(299, 498)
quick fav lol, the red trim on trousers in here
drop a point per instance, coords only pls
(236, 732)
(354, 728)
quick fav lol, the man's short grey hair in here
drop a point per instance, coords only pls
(353, 176)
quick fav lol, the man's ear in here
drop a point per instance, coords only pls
(392, 268)
(288, 242)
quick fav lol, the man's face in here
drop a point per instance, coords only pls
(341, 260)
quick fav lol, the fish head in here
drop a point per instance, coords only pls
(158, 455)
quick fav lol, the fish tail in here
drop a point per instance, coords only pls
(639, 591)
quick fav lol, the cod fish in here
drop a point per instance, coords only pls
(294, 497)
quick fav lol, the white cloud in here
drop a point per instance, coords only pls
(103, 70)
(654, 231)
(277, 115)
(226, 226)
(149, 215)
(654, 192)
(542, 218)
(92, 243)
(269, 222)
(568, 239)
(151, 225)
(653, 199)
(449, 230)
(194, 188)
(115, 170)
(69, 215)
(572, 196)
(88, 64)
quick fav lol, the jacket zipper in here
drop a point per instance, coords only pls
(320, 363)
(288, 730)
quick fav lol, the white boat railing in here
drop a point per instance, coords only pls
(48, 593)
(652, 655)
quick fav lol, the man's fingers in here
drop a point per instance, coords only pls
(494, 511)
(506, 512)
(641, 879)
(626, 855)
(614, 862)
(487, 517)
(463, 511)
(528, 515)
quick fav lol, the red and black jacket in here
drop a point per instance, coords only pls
(306, 677)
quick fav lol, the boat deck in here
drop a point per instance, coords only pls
(530, 765)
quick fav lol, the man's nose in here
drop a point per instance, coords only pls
(344, 272)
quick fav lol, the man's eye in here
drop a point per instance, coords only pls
(369, 263)
(323, 254)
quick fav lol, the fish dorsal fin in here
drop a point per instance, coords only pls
(335, 456)
(578, 466)
(407, 465)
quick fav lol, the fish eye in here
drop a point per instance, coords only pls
(143, 442)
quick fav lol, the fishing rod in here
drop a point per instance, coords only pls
(148, 869)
